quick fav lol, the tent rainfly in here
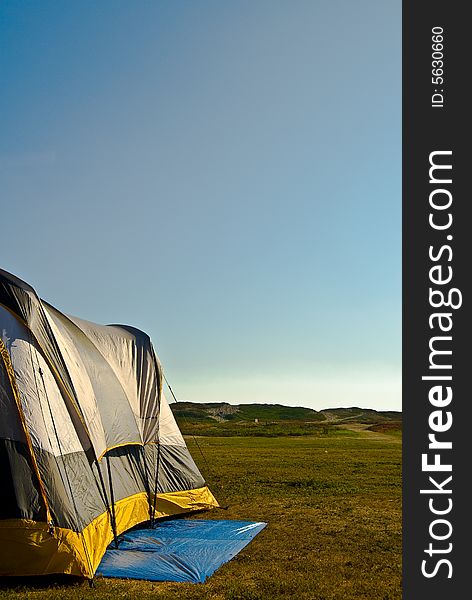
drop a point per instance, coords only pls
(88, 444)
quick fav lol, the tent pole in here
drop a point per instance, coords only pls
(5, 356)
(160, 374)
(112, 503)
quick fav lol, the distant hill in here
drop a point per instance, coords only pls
(360, 415)
(223, 412)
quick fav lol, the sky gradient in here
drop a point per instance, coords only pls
(224, 175)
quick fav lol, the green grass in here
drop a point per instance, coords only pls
(333, 507)
(232, 428)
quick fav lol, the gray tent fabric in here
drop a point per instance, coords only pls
(21, 299)
(88, 444)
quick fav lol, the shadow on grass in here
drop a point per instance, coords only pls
(40, 582)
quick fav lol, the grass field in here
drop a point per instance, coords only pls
(333, 507)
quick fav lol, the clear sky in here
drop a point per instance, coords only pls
(222, 174)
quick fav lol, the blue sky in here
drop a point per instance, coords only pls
(224, 175)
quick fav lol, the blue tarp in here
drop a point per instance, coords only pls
(180, 550)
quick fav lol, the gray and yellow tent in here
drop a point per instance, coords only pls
(88, 444)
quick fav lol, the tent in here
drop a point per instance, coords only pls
(88, 444)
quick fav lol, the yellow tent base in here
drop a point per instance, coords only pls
(29, 548)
